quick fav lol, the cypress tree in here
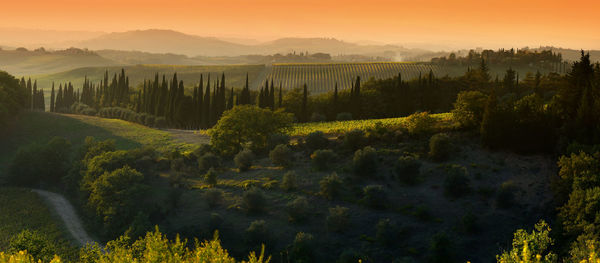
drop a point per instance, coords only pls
(206, 103)
(335, 100)
(304, 110)
(272, 96)
(230, 101)
(280, 96)
(52, 98)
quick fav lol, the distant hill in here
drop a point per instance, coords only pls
(573, 54)
(168, 41)
(37, 62)
(164, 41)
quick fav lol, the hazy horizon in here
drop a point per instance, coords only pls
(450, 25)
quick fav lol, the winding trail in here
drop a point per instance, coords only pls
(67, 213)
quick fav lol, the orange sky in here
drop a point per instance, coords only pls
(466, 23)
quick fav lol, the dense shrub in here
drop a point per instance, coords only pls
(344, 116)
(210, 177)
(457, 182)
(215, 221)
(254, 200)
(316, 141)
(338, 219)
(214, 197)
(247, 125)
(322, 159)
(468, 108)
(387, 232)
(281, 155)
(531, 247)
(350, 256)
(243, 160)
(116, 195)
(317, 117)
(289, 182)
(80, 108)
(35, 243)
(441, 249)
(303, 248)
(469, 223)
(505, 197)
(257, 233)
(277, 139)
(160, 122)
(375, 196)
(365, 162)
(353, 140)
(440, 147)
(408, 169)
(208, 161)
(201, 150)
(331, 186)
(420, 123)
(36, 163)
(298, 209)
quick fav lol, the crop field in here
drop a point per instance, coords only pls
(443, 120)
(322, 77)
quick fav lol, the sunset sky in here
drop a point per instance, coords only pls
(459, 23)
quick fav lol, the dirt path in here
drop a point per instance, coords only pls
(67, 213)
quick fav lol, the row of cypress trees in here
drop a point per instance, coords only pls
(34, 96)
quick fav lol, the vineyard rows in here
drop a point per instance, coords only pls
(320, 77)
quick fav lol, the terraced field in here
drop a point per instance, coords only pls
(322, 77)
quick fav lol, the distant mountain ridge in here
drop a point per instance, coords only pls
(169, 41)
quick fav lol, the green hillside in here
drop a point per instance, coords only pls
(39, 127)
(25, 63)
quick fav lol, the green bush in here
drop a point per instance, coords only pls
(408, 169)
(331, 186)
(349, 256)
(277, 139)
(243, 160)
(215, 222)
(289, 182)
(420, 123)
(316, 141)
(365, 162)
(281, 155)
(440, 147)
(208, 161)
(247, 124)
(344, 116)
(317, 117)
(505, 197)
(387, 232)
(214, 197)
(211, 177)
(298, 209)
(375, 196)
(338, 219)
(441, 249)
(457, 182)
(36, 244)
(469, 223)
(36, 163)
(468, 108)
(353, 140)
(254, 200)
(323, 159)
(303, 248)
(257, 233)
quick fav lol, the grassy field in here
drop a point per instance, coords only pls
(38, 127)
(22, 209)
(338, 127)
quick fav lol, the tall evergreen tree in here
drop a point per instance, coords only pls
(304, 109)
(52, 97)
